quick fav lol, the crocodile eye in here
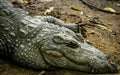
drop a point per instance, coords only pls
(72, 44)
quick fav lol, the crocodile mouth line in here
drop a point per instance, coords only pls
(90, 69)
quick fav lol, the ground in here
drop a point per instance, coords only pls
(100, 29)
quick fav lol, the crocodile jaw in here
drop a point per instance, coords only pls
(74, 60)
(89, 62)
(85, 58)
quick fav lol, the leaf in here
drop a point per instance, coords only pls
(48, 10)
(75, 8)
(24, 1)
(103, 27)
(21, 1)
(45, 0)
(109, 9)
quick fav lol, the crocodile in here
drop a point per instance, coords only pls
(45, 42)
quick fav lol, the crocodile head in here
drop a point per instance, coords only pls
(69, 50)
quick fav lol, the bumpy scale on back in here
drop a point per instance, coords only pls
(47, 42)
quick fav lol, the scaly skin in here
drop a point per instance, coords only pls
(47, 42)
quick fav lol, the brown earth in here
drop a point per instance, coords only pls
(105, 35)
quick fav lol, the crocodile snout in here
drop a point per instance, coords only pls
(98, 62)
(108, 68)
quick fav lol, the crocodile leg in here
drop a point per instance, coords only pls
(30, 57)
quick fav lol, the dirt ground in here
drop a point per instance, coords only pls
(100, 29)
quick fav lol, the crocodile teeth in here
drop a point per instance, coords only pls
(93, 70)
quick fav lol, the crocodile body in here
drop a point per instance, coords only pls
(45, 42)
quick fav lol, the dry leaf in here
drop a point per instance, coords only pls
(109, 9)
(22, 1)
(45, 0)
(103, 27)
(48, 10)
(75, 8)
